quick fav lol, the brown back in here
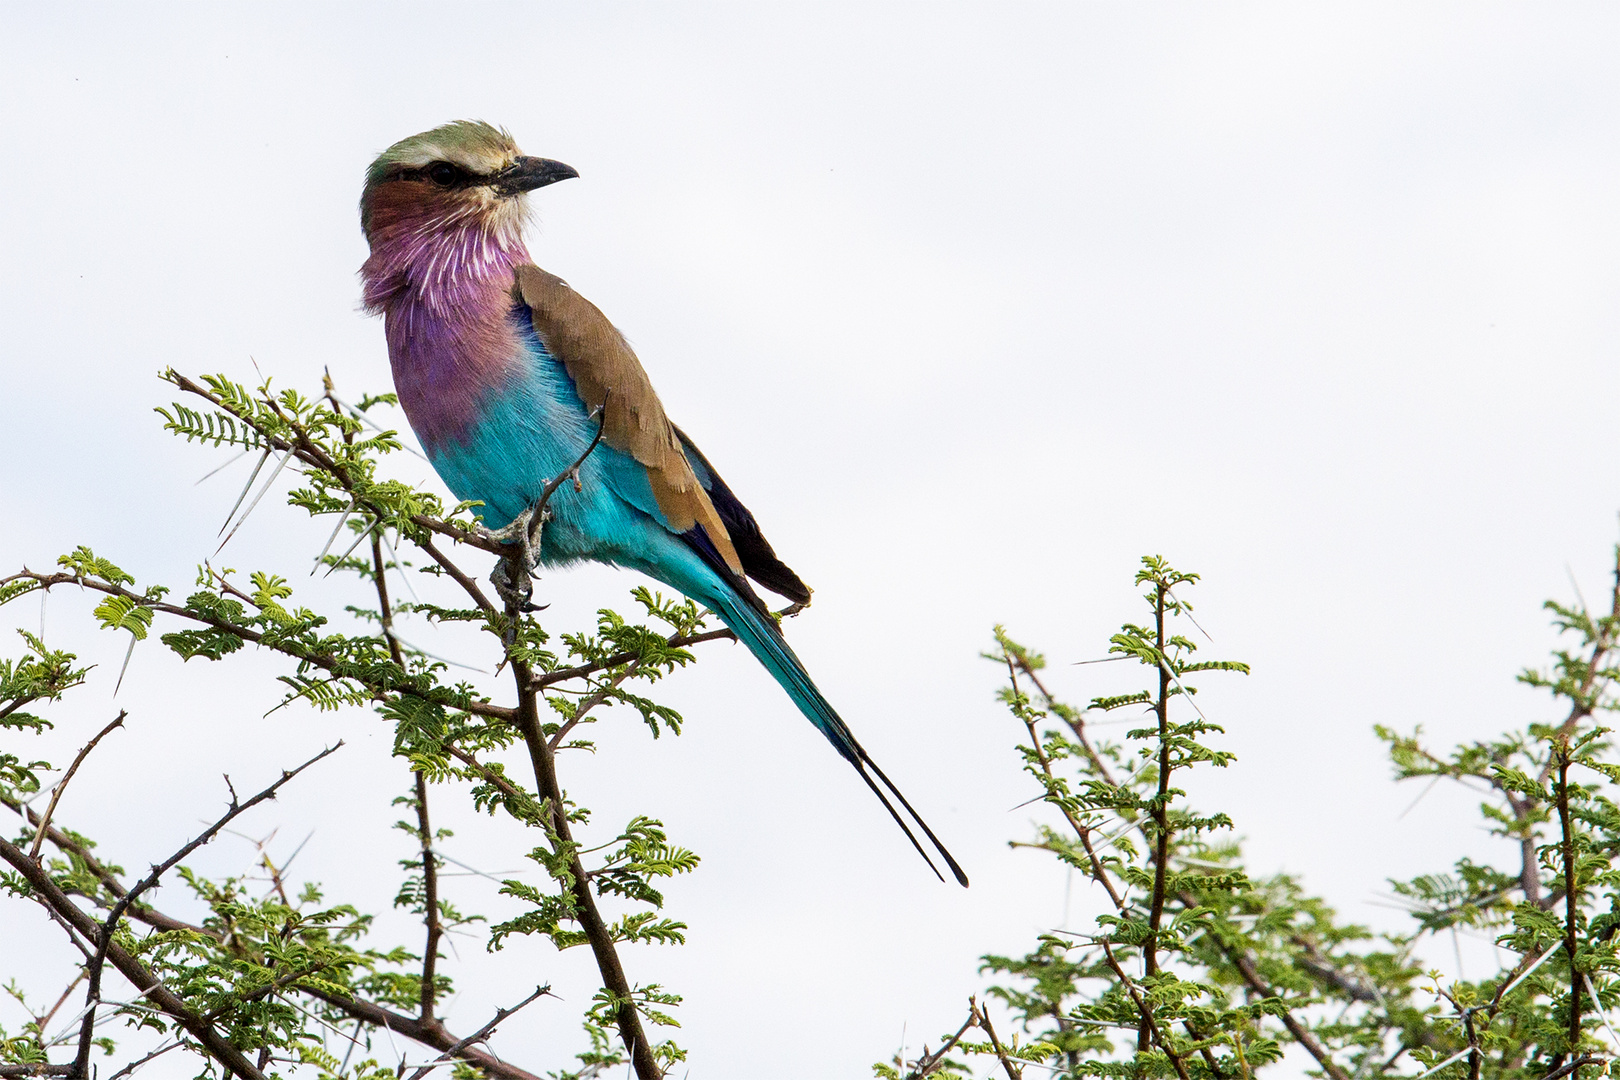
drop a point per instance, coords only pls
(607, 374)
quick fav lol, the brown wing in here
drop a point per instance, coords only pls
(607, 374)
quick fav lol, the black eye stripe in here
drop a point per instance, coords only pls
(442, 174)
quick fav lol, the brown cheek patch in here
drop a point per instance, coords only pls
(400, 201)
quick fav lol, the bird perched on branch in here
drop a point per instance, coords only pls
(509, 377)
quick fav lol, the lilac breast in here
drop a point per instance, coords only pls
(445, 291)
(447, 365)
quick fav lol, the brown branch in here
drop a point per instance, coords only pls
(1566, 1069)
(1299, 1031)
(457, 574)
(585, 911)
(104, 936)
(1585, 700)
(424, 828)
(1146, 1012)
(1322, 968)
(319, 660)
(1076, 725)
(591, 702)
(1204, 1051)
(131, 968)
(274, 986)
(430, 901)
(1081, 830)
(1234, 954)
(1475, 1058)
(61, 785)
(115, 887)
(1161, 804)
(929, 1064)
(130, 1069)
(551, 678)
(427, 1032)
(1571, 896)
(481, 1034)
(42, 1022)
(432, 1034)
(982, 1018)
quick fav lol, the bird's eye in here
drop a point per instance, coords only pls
(443, 173)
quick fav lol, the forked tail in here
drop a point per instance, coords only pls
(760, 633)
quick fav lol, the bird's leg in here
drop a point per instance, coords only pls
(512, 576)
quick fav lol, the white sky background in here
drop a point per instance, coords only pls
(972, 307)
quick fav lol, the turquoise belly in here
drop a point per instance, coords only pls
(533, 428)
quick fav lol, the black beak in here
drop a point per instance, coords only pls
(528, 173)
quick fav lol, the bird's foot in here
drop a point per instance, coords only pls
(512, 576)
(514, 586)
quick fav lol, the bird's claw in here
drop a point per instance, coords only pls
(512, 574)
(516, 594)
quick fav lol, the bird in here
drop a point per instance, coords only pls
(511, 379)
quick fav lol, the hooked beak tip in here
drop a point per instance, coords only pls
(529, 173)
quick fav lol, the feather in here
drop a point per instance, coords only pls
(608, 376)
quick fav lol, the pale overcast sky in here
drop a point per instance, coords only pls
(973, 306)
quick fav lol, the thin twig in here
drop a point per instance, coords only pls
(61, 785)
(134, 1065)
(1145, 1011)
(324, 661)
(929, 1064)
(983, 1019)
(50, 894)
(109, 924)
(481, 1034)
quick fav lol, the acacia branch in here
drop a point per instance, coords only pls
(430, 900)
(132, 969)
(481, 1034)
(1145, 1011)
(427, 1032)
(1584, 699)
(61, 785)
(431, 1033)
(929, 1064)
(590, 920)
(306, 450)
(1569, 1067)
(1302, 1034)
(551, 678)
(982, 1018)
(114, 887)
(1234, 954)
(1081, 829)
(424, 828)
(315, 659)
(103, 937)
(1571, 896)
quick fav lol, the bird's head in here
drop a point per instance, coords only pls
(464, 173)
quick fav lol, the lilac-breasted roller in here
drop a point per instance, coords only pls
(507, 376)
